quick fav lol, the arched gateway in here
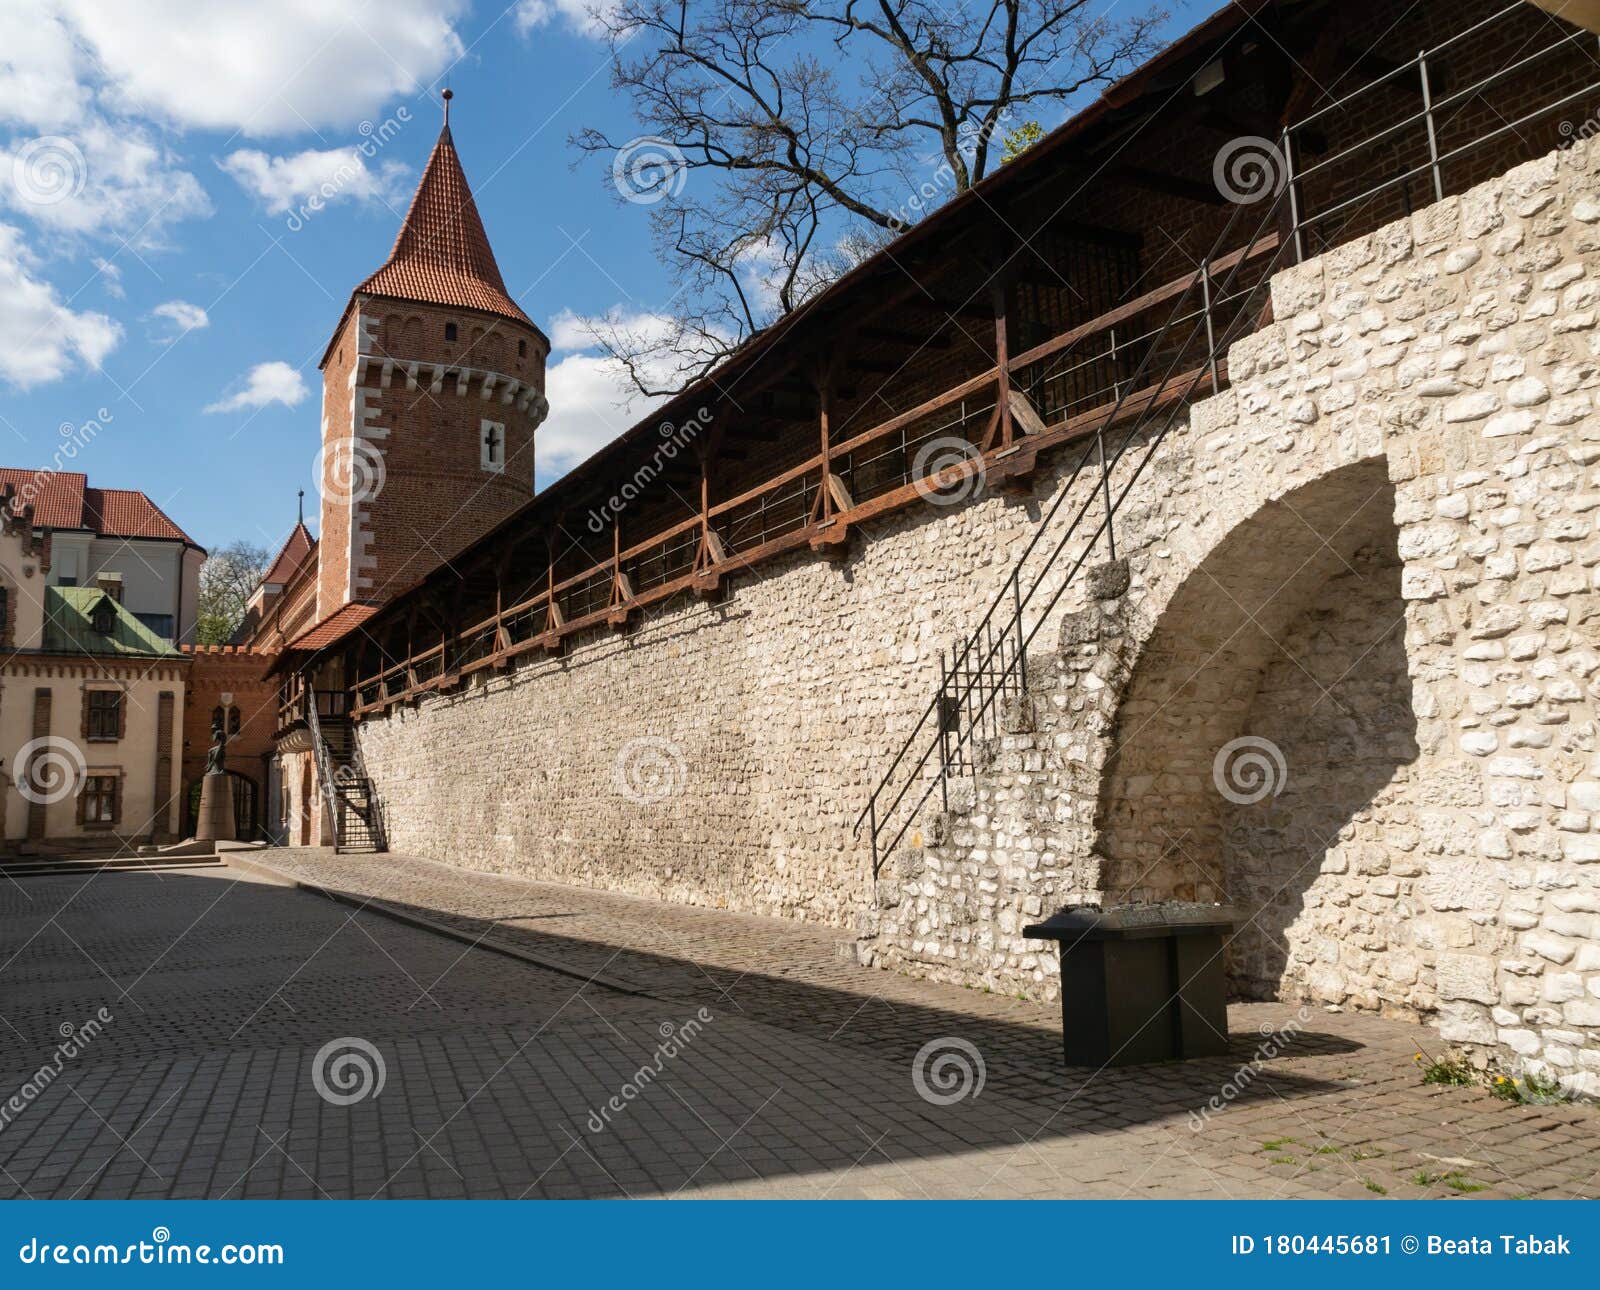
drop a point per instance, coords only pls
(1261, 751)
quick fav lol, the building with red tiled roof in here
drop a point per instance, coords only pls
(284, 601)
(91, 690)
(442, 255)
(116, 538)
(433, 388)
(64, 500)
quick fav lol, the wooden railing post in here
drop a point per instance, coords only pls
(709, 552)
(1002, 360)
(621, 586)
(832, 494)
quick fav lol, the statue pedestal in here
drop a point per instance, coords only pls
(215, 822)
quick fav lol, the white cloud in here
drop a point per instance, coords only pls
(183, 316)
(265, 69)
(40, 85)
(100, 179)
(590, 405)
(110, 278)
(326, 176)
(64, 161)
(582, 17)
(41, 339)
(273, 382)
(592, 400)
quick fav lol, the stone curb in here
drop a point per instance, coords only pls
(399, 915)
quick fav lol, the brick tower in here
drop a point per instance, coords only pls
(432, 388)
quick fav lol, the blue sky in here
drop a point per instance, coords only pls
(161, 274)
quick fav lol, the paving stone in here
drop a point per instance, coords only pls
(222, 988)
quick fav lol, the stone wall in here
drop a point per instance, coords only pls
(1372, 560)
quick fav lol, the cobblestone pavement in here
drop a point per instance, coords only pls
(745, 1056)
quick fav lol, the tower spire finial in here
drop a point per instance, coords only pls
(302, 506)
(447, 96)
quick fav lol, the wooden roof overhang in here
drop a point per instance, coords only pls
(911, 317)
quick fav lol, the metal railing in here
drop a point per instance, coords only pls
(991, 665)
(1423, 132)
(338, 783)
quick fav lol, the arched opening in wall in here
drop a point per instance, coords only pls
(1264, 743)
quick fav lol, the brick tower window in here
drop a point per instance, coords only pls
(449, 331)
(492, 447)
(522, 349)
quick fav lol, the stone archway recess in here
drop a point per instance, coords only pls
(1264, 742)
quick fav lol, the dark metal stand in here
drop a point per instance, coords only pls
(1140, 985)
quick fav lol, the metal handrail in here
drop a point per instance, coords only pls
(324, 768)
(1007, 639)
(1011, 597)
(1428, 116)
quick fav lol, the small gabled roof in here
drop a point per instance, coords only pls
(69, 626)
(344, 619)
(291, 555)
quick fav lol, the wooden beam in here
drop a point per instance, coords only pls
(898, 336)
(998, 300)
(1023, 413)
(1161, 181)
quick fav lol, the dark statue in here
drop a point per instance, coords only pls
(217, 757)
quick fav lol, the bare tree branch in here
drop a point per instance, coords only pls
(793, 136)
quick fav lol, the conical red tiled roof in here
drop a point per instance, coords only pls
(442, 255)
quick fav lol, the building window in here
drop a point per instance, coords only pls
(449, 331)
(492, 447)
(160, 624)
(105, 714)
(5, 609)
(70, 581)
(103, 617)
(98, 801)
(522, 349)
(233, 721)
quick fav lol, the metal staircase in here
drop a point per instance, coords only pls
(346, 787)
(977, 676)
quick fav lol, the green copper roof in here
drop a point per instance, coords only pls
(69, 626)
